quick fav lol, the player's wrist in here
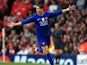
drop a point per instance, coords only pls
(67, 9)
(17, 24)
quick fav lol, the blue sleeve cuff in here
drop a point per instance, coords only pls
(23, 22)
(60, 12)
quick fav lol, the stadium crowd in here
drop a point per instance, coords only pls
(22, 39)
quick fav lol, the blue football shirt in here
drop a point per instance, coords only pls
(42, 28)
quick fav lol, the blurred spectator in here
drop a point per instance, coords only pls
(4, 21)
(80, 4)
(29, 48)
(10, 49)
(27, 33)
(29, 5)
(19, 1)
(15, 8)
(53, 7)
(23, 51)
(63, 4)
(46, 6)
(21, 8)
(33, 37)
(3, 6)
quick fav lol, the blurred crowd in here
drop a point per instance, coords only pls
(22, 39)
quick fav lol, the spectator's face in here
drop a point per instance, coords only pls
(11, 47)
(57, 26)
(52, 29)
(13, 32)
(74, 39)
(39, 10)
(65, 48)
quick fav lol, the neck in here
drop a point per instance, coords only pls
(41, 13)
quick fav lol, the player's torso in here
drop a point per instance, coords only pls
(42, 25)
(42, 21)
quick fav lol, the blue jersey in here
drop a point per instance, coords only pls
(42, 28)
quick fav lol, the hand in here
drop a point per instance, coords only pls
(72, 7)
(10, 24)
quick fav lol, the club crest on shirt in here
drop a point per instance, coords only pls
(46, 18)
(43, 43)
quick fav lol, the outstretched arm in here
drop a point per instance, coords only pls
(62, 11)
(12, 24)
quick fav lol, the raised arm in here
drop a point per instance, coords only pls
(28, 20)
(62, 11)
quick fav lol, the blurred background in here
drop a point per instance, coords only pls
(22, 39)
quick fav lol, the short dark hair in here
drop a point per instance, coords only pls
(41, 6)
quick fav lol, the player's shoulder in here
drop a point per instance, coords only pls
(35, 14)
(47, 12)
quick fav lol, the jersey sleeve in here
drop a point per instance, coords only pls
(28, 20)
(51, 14)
